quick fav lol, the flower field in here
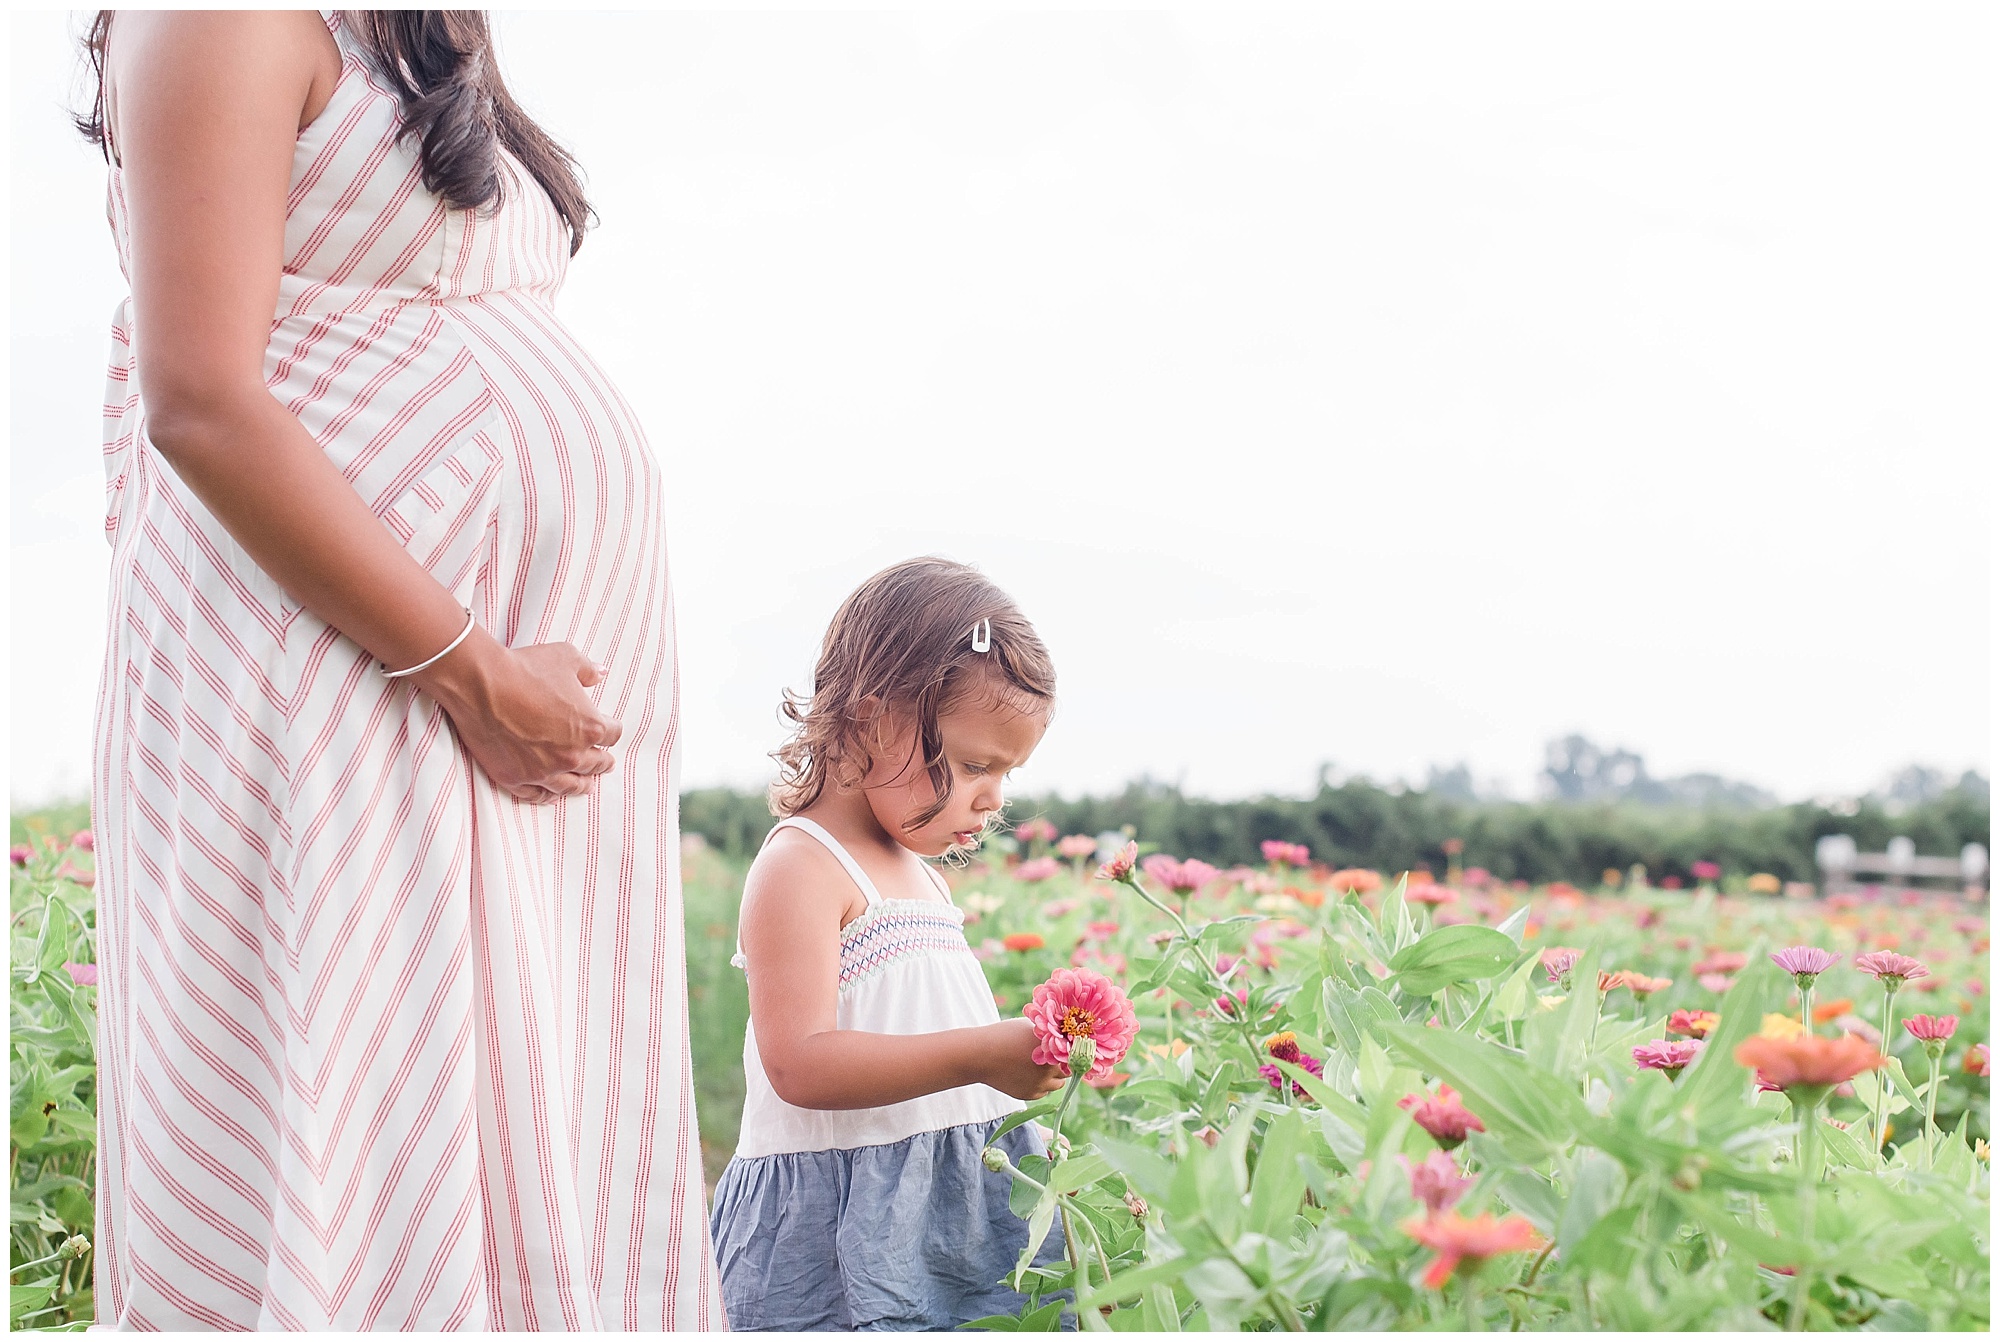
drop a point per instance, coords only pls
(1358, 1102)
(1348, 1099)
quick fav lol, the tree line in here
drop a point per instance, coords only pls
(1360, 823)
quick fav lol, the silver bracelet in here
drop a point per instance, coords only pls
(412, 670)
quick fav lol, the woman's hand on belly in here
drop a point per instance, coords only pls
(523, 716)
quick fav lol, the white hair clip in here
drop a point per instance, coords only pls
(982, 636)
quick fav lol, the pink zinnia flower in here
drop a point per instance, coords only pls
(1037, 869)
(1721, 962)
(1435, 1181)
(1038, 829)
(70, 871)
(1804, 963)
(1287, 854)
(1667, 1055)
(20, 854)
(1932, 1029)
(1180, 877)
(1099, 931)
(83, 975)
(1120, 866)
(1079, 1004)
(1427, 893)
(83, 839)
(1892, 969)
(1458, 1239)
(1705, 871)
(1715, 983)
(1559, 960)
(1978, 1061)
(1695, 1023)
(1077, 845)
(1443, 1116)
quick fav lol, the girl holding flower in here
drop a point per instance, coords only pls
(876, 1065)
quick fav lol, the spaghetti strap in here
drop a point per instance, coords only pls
(818, 831)
(944, 887)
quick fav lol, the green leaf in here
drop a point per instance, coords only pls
(1517, 994)
(1080, 1171)
(1043, 1217)
(1034, 1111)
(1023, 1196)
(1597, 1184)
(1716, 1078)
(1514, 925)
(1460, 954)
(1278, 1184)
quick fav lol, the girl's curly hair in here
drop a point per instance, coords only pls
(905, 637)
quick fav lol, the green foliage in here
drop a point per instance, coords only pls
(1358, 824)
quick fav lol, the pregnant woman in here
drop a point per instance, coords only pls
(394, 1028)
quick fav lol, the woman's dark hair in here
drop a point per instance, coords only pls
(906, 637)
(440, 64)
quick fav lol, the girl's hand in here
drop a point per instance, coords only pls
(521, 713)
(1006, 1062)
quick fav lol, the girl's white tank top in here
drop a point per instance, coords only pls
(905, 968)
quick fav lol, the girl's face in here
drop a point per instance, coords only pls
(984, 737)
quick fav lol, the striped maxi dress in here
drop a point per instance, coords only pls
(381, 1047)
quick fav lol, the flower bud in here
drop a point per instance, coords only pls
(1136, 1205)
(1082, 1055)
(996, 1160)
(76, 1246)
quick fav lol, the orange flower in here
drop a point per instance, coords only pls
(1023, 941)
(1834, 1010)
(1312, 899)
(1695, 1023)
(1808, 1061)
(1468, 1239)
(1356, 879)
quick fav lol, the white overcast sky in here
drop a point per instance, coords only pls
(1384, 386)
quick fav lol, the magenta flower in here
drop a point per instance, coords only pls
(1558, 961)
(1893, 970)
(1178, 876)
(83, 839)
(1037, 869)
(1435, 1181)
(1081, 1004)
(1705, 871)
(1037, 830)
(83, 975)
(20, 854)
(1932, 1029)
(1077, 845)
(1667, 1055)
(1121, 864)
(1284, 1046)
(1804, 963)
(1443, 1116)
(1286, 854)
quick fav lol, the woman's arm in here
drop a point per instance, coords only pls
(206, 109)
(790, 928)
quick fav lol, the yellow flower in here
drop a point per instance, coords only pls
(1778, 1026)
(1764, 883)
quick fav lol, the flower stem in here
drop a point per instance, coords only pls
(1809, 1198)
(1882, 1082)
(1930, 1111)
(1208, 965)
(1805, 1007)
(1062, 1111)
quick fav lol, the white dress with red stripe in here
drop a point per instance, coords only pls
(381, 1047)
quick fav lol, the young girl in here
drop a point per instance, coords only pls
(876, 1065)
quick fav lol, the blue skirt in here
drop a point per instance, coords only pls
(913, 1235)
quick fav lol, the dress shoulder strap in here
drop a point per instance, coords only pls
(818, 831)
(944, 887)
